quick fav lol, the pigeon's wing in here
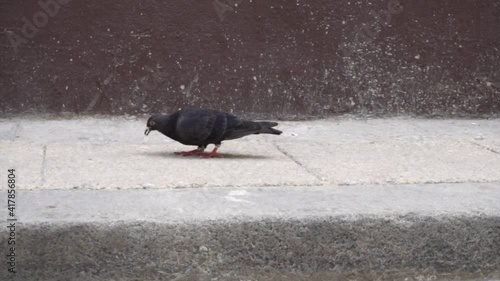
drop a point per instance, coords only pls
(245, 128)
(223, 122)
(195, 125)
(237, 128)
(232, 121)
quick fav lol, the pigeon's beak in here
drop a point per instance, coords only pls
(148, 129)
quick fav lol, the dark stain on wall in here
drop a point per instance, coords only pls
(276, 58)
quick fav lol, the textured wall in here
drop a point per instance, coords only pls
(276, 58)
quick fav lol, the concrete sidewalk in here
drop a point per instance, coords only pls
(114, 153)
(339, 199)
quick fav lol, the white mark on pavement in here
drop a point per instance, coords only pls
(238, 193)
(231, 196)
(234, 199)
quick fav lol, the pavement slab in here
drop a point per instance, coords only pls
(112, 152)
(156, 166)
(26, 158)
(491, 145)
(385, 162)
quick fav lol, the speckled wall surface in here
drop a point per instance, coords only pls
(273, 58)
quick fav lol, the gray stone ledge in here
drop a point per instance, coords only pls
(409, 232)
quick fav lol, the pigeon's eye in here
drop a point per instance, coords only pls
(152, 123)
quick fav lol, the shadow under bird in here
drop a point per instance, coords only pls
(201, 127)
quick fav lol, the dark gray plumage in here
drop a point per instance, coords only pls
(202, 127)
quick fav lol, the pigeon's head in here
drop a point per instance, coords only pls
(152, 124)
(158, 122)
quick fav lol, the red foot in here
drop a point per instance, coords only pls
(189, 153)
(212, 154)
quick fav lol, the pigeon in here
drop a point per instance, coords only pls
(201, 127)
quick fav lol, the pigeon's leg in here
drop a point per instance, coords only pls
(197, 151)
(213, 153)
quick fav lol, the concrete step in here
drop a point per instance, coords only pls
(366, 232)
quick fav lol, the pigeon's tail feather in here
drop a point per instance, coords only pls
(267, 124)
(266, 128)
(272, 131)
(246, 128)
